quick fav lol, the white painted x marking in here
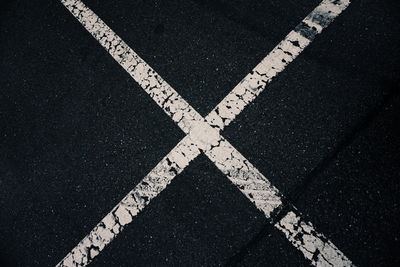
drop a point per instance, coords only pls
(203, 135)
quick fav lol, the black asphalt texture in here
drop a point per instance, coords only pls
(77, 132)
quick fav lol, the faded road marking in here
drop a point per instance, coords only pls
(203, 134)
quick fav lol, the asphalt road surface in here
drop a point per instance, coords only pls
(78, 133)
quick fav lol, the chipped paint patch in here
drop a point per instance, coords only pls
(314, 246)
(245, 176)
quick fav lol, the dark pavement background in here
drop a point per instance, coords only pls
(77, 133)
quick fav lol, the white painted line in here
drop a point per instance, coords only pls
(200, 134)
(275, 62)
(257, 80)
(161, 92)
(123, 213)
(314, 246)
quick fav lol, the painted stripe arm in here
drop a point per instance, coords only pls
(275, 62)
(153, 84)
(135, 201)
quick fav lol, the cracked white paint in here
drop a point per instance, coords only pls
(161, 92)
(256, 81)
(202, 134)
(315, 246)
(275, 62)
(122, 214)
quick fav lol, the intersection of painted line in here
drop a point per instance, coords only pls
(314, 246)
(85, 59)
